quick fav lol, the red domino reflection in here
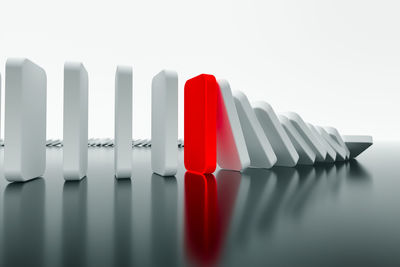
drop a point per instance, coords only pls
(200, 116)
(207, 216)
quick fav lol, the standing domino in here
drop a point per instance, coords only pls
(260, 151)
(123, 123)
(164, 123)
(231, 147)
(25, 120)
(285, 152)
(75, 133)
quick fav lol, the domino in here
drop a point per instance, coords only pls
(232, 152)
(200, 129)
(25, 120)
(331, 153)
(285, 152)
(306, 154)
(75, 132)
(164, 123)
(307, 135)
(123, 122)
(260, 151)
(334, 133)
(357, 143)
(340, 152)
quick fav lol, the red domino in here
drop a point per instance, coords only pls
(200, 124)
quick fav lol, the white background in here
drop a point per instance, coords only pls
(334, 62)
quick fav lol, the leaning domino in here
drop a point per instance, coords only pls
(331, 153)
(260, 151)
(334, 133)
(340, 151)
(164, 123)
(231, 147)
(75, 132)
(123, 122)
(25, 120)
(306, 154)
(284, 150)
(357, 143)
(307, 135)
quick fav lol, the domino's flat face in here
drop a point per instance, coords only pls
(285, 152)
(123, 122)
(164, 123)
(306, 154)
(334, 133)
(307, 135)
(331, 153)
(231, 147)
(25, 120)
(75, 132)
(357, 143)
(340, 152)
(259, 148)
(200, 116)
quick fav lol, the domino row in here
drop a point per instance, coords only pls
(245, 135)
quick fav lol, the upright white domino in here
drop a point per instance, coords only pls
(340, 151)
(306, 154)
(164, 123)
(307, 135)
(334, 133)
(25, 120)
(284, 150)
(260, 151)
(357, 143)
(75, 132)
(231, 147)
(331, 153)
(123, 122)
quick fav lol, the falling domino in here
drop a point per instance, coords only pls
(340, 152)
(357, 143)
(75, 132)
(25, 120)
(334, 133)
(123, 122)
(259, 148)
(307, 135)
(231, 147)
(285, 152)
(306, 154)
(164, 123)
(331, 153)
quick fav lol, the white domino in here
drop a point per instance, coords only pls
(357, 143)
(123, 122)
(164, 123)
(284, 150)
(259, 148)
(75, 132)
(331, 153)
(307, 135)
(25, 120)
(340, 151)
(306, 154)
(334, 133)
(232, 152)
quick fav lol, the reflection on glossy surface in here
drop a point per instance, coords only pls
(24, 223)
(74, 223)
(344, 214)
